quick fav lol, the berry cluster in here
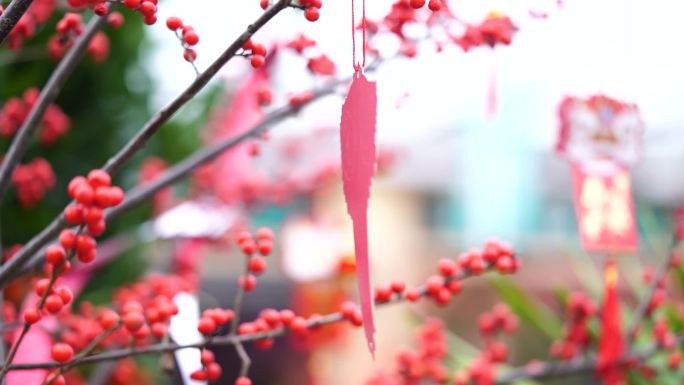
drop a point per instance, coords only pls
(492, 324)
(147, 8)
(211, 370)
(434, 5)
(69, 27)
(318, 63)
(256, 264)
(92, 195)
(186, 35)
(55, 123)
(256, 52)
(576, 338)
(441, 288)
(495, 29)
(311, 9)
(32, 181)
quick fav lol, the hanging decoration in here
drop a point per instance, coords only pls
(601, 137)
(357, 140)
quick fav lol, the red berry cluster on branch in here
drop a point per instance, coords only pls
(70, 27)
(256, 264)
(311, 9)
(256, 52)
(580, 309)
(38, 13)
(92, 195)
(32, 181)
(55, 122)
(186, 35)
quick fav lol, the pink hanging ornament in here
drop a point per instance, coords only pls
(357, 139)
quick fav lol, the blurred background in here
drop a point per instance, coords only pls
(458, 167)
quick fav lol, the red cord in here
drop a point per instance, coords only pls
(358, 67)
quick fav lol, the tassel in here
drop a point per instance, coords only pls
(357, 139)
(611, 343)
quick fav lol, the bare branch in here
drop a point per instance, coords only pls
(11, 17)
(12, 267)
(230, 339)
(115, 163)
(47, 95)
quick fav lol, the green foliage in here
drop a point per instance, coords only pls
(529, 310)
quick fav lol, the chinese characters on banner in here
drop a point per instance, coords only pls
(601, 137)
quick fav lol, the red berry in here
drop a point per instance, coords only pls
(148, 8)
(55, 254)
(435, 5)
(415, 4)
(62, 352)
(242, 380)
(54, 303)
(133, 321)
(248, 282)
(206, 326)
(109, 319)
(257, 61)
(86, 256)
(173, 23)
(132, 4)
(73, 184)
(190, 37)
(150, 19)
(265, 246)
(132, 307)
(258, 49)
(383, 293)
(85, 243)
(214, 371)
(65, 294)
(189, 55)
(59, 380)
(67, 239)
(434, 284)
(447, 267)
(199, 375)
(286, 316)
(158, 329)
(31, 315)
(412, 294)
(256, 265)
(312, 14)
(101, 9)
(99, 178)
(207, 357)
(97, 228)
(84, 194)
(42, 286)
(299, 325)
(115, 20)
(93, 214)
(348, 309)
(398, 286)
(248, 246)
(263, 4)
(73, 214)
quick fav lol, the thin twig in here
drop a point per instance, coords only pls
(644, 304)
(231, 339)
(82, 354)
(8, 271)
(152, 126)
(11, 17)
(48, 95)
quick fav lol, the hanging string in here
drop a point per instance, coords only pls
(359, 66)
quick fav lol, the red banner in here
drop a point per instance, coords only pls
(605, 209)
